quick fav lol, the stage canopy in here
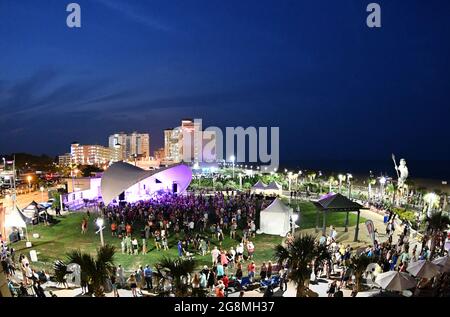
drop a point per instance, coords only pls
(276, 218)
(135, 184)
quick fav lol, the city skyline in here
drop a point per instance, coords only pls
(312, 68)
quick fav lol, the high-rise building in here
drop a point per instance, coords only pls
(65, 160)
(92, 154)
(130, 145)
(186, 142)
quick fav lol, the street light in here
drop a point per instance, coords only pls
(382, 183)
(341, 179)
(349, 177)
(29, 178)
(294, 218)
(42, 193)
(99, 222)
(233, 159)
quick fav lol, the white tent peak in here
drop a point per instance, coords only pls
(259, 185)
(278, 206)
(15, 218)
(273, 185)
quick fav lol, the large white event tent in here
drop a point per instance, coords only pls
(276, 219)
(134, 183)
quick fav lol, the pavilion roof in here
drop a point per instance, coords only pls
(336, 202)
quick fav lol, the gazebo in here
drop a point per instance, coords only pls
(332, 203)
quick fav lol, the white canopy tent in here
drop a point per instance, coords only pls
(276, 219)
(273, 189)
(16, 219)
(258, 188)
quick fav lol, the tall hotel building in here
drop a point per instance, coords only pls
(130, 145)
(178, 149)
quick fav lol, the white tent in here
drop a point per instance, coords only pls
(276, 218)
(259, 187)
(273, 189)
(16, 219)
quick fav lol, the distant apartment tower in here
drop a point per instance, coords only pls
(130, 145)
(65, 159)
(176, 146)
(92, 154)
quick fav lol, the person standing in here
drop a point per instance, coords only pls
(214, 255)
(120, 275)
(148, 274)
(114, 286)
(180, 248)
(133, 285)
(332, 289)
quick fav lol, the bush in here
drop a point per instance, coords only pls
(406, 215)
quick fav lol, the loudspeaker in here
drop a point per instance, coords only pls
(122, 196)
(174, 188)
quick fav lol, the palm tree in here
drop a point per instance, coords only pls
(61, 272)
(437, 224)
(96, 270)
(359, 265)
(299, 255)
(177, 270)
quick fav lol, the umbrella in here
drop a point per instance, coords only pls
(423, 269)
(374, 268)
(395, 281)
(443, 263)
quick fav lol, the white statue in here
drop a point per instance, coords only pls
(403, 173)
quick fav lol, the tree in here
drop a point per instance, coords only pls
(61, 272)
(359, 265)
(177, 270)
(437, 225)
(96, 270)
(88, 170)
(298, 256)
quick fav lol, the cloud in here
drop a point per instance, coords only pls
(132, 13)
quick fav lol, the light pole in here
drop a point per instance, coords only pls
(42, 193)
(349, 177)
(29, 178)
(233, 159)
(99, 222)
(382, 183)
(341, 179)
(294, 218)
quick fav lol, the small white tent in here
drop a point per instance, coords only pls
(16, 219)
(258, 188)
(275, 219)
(273, 189)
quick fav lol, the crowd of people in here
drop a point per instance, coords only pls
(194, 220)
(31, 283)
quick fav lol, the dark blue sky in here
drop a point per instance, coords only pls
(336, 88)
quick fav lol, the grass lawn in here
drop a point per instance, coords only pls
(58, 239)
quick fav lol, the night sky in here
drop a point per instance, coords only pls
(336, 88)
